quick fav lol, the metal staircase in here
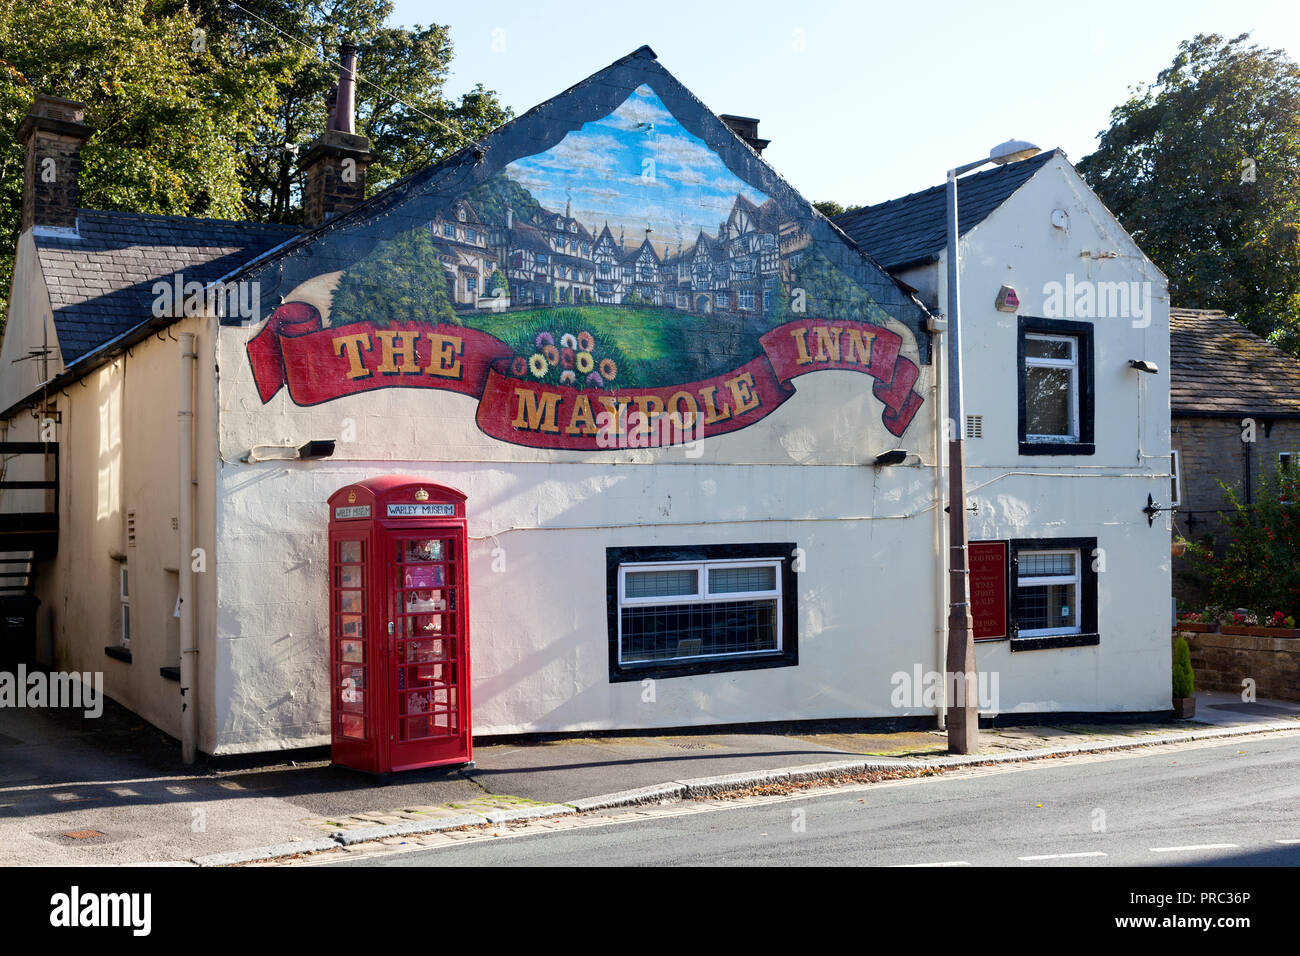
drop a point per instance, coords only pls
(27, 536)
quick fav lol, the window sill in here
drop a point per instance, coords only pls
(119, 653)
(1057, 448)
(1052, 641)
(662, 670)
(171, 673)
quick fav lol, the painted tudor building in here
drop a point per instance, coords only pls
(667, 451)
(553, 259)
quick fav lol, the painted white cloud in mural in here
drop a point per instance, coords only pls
(636, 168)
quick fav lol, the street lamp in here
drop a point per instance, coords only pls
(963, 712)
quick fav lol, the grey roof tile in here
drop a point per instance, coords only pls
(1218, 365)
(101, 284)
(913, 229)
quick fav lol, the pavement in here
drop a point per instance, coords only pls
(75, 791)
(1233, 803)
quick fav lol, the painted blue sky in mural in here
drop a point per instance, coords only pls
(636, 168)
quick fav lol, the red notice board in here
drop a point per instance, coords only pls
(988, 589)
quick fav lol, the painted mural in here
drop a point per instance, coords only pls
(622, 288)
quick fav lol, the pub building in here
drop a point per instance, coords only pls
(594, 425)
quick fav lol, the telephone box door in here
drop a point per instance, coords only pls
(428, 693)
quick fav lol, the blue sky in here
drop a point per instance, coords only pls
(638, 168)
(863, 101)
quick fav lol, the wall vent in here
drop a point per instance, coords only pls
(974, 426)
(130, 529)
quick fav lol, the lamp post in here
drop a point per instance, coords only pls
(963, 711)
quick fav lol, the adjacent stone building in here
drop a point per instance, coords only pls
(1235, 410)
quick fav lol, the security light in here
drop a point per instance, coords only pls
(316, 449)
(1142, 365)
(895, 457)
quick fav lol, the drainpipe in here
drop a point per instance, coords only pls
(185, 521)
(937, 327)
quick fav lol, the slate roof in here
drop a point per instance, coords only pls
(912, 229)
(101, 284)
(1219, 367)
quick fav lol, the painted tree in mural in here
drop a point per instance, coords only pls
(401, 280)
(1203, 168)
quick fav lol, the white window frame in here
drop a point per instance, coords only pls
(702, 596)
(1176, 489)
(1072, 364)
(1043, 580)
(124, 597)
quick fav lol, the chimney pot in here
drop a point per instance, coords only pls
(335, 163)
(746, 127)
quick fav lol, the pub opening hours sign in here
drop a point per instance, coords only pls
(988, 589)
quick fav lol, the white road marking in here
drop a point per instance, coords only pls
(1286, 841)
(1060, 856)
(1199, 846)
(906, 866)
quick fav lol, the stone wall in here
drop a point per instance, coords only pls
(1222, 661)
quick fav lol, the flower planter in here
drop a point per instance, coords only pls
(1184, 707)
(1196, 627)
(1244, 630)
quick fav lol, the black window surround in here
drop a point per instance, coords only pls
(1082, 332)
(787, 656)
(1087, 597)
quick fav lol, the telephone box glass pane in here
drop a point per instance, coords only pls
(350, 601)
(416, 550)
(352, 652)
(350, 552)
(352, 625)
(350, 576)
(352, 725)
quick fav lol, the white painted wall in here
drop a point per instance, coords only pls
(540, 656)
(1072, 496)
(866, 599)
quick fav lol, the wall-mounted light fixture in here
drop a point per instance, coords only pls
(316, 449)
(895, 457)
(1142, 365)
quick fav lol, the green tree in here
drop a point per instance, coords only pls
(401, 280)
(170, 121)
(401, 105)
(830, 208)
(1202, 167)
(1255, 562)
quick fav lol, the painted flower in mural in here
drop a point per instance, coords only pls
(537, 365)
(519, 366)
(595, 379)
(552, 355)
(585, 342)
(543, 338)
(569, 341)
(608, 369)
(566, 357)
(567, 377)
(584, 362)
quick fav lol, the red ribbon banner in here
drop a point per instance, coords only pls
(318, 364)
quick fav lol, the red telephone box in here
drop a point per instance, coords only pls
(399, 626)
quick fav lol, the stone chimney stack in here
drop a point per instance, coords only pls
(52, 132)
(336, 161)
(746, 127)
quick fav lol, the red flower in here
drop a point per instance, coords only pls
(566, 358)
